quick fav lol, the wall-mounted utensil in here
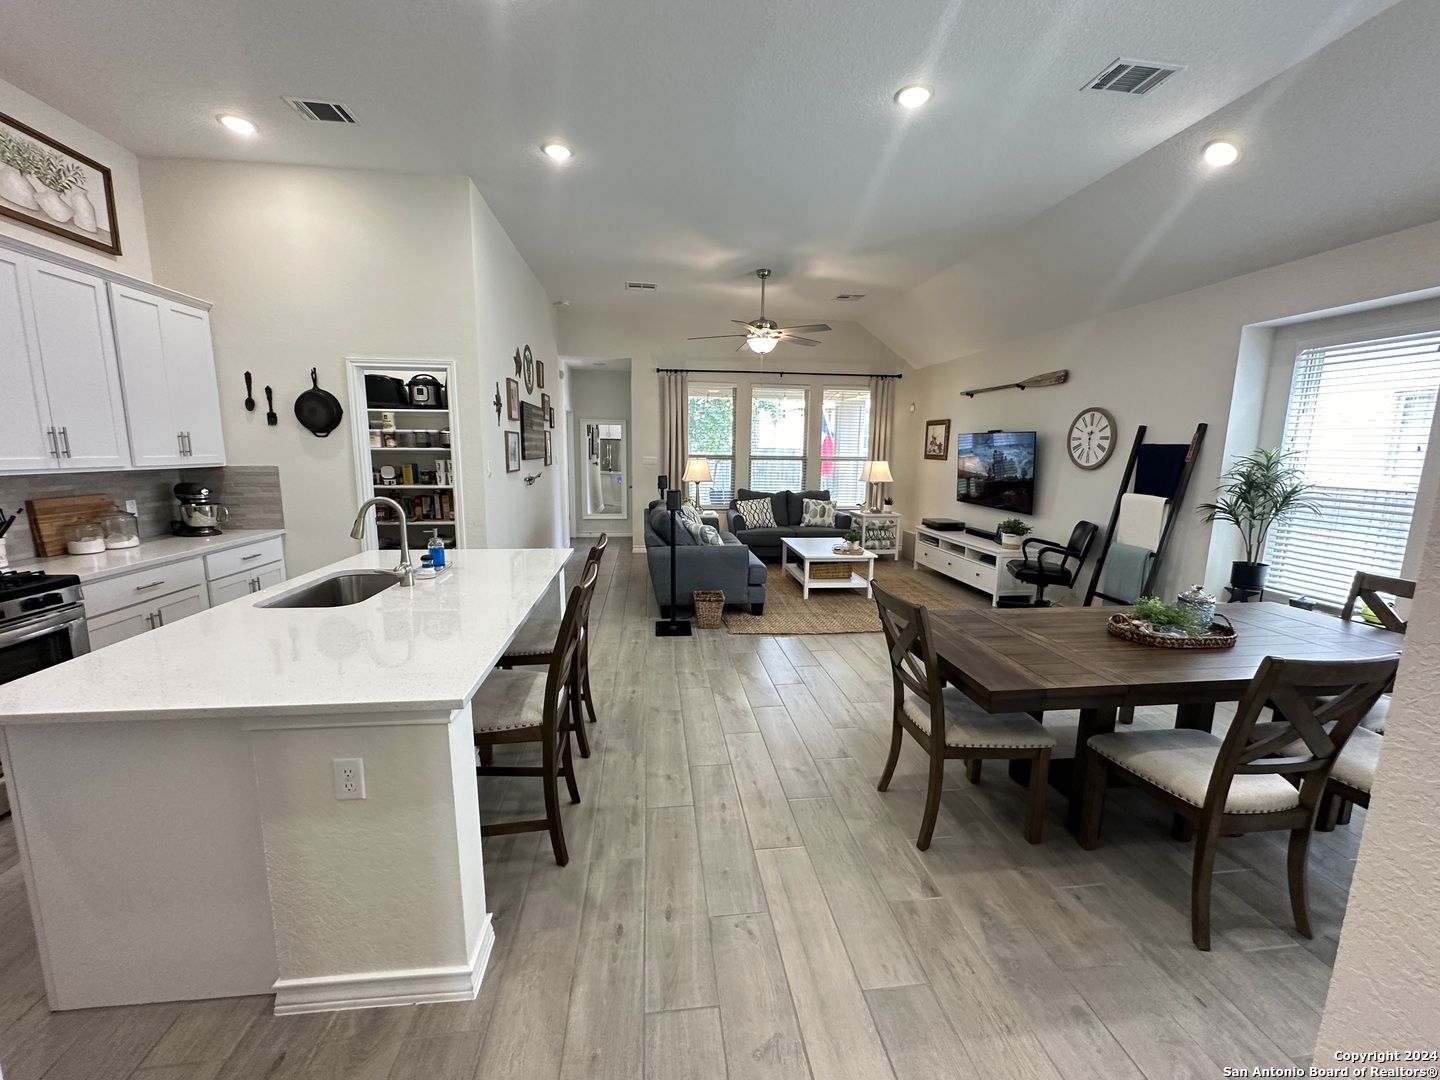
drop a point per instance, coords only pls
(249, 394)
(318, 410)
(270, 417)
(5, 522)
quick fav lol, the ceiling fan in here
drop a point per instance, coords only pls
(762, 334)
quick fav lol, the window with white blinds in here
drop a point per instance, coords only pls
(1358, 427)
(777, 438)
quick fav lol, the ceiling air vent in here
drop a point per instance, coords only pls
(330, 112)
(1132, 76)
(641, 286)
(851, 296)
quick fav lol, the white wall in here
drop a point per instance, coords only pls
(597, 395)
(307, 266)
(1385, 992)
(125, 174)
(655, 341)
(1168, 364)
(511, 310)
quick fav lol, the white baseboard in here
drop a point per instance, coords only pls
(417, 986)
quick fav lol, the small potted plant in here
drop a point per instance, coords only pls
(1012, 531)
(852, 540)
(1260, 489)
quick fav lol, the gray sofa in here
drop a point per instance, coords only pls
(787, 507)
(730, 567)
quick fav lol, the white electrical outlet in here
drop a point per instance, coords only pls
(349, 777)
(130, 507)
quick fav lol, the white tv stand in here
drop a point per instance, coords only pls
(971, 560)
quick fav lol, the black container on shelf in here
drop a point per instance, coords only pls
(386, 391)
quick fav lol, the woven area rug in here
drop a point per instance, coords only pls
(846, 611)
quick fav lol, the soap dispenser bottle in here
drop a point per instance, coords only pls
(436, 550)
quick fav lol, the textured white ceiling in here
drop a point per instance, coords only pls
(711, 136)
(1343, 148)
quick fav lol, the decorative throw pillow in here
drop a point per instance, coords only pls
(692, 527)
(711, 536)
(758, 513)
(691, 513)
(818, 512)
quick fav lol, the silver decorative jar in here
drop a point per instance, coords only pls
(1203, 604)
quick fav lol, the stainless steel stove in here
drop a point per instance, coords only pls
(42, 623)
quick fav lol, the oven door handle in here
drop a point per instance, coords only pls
(41, 624)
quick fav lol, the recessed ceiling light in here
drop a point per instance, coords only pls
(556, 151)
(1220, 154)
(238, 124)
(912, 97)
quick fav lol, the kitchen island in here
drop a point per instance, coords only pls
(186, 823)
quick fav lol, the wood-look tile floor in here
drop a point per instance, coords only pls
(742, 902)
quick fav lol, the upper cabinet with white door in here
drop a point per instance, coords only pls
(61, 316)
(63, 404)
(167, 367)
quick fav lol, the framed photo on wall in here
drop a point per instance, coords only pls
(512, 451)
(532, 432)
(512, 399)
(49, 186)
(547, 448)
(552, 416)
(540, 374)
(937, 440)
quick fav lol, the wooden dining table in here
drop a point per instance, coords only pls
(1039, 660)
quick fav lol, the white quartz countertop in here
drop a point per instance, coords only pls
(155, 552)
(423, 649)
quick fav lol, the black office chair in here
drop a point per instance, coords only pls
(1034, 570)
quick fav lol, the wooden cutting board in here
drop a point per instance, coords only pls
(48, 518)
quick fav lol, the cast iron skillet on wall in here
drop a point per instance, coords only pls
(318, 410)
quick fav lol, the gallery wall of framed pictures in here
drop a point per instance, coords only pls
(532, 439)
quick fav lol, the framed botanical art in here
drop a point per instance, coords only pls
(937, 440)
(540, 374)
(547, 448)
(545, 404)
(49, 186)
(552, 416)
(512, 451)
(512, 399)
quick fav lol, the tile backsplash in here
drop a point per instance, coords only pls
(250, 492)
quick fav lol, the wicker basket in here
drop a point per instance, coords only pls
(1221, 635)
(709, 606)
(830, 571)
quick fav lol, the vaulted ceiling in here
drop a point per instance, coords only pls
(711, 138)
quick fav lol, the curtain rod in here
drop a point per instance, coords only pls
(752, 371)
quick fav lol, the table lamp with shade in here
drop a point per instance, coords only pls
(876, 473)
(697, 472)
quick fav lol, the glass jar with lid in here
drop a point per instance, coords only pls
(122, 529)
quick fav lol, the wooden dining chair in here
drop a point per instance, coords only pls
(923, 706)
(1259, 777)
(529, 706)
(1368, 589)
(535, 643)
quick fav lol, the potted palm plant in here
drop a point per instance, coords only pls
(1260, 489)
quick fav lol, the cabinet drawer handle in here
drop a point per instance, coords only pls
(247, 558)
(142, 588)
(65, 441)
(54, 445)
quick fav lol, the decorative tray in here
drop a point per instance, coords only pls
(840, 549)
(1221, 635)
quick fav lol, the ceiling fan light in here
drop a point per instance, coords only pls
(762, 345)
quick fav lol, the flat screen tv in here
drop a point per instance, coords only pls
(996, 468)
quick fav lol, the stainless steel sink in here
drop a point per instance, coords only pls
(340, 590)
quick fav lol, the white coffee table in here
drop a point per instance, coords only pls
(810, 550)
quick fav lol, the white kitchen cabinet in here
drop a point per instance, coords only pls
(116, 626)
(76, 347)
(246, 582)
(24, 443)
(57, 361)
(113, 626)
(167, 367)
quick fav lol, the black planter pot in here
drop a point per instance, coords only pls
(1248, 575)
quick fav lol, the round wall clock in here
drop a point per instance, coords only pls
(1092, 438)
(529, 371)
